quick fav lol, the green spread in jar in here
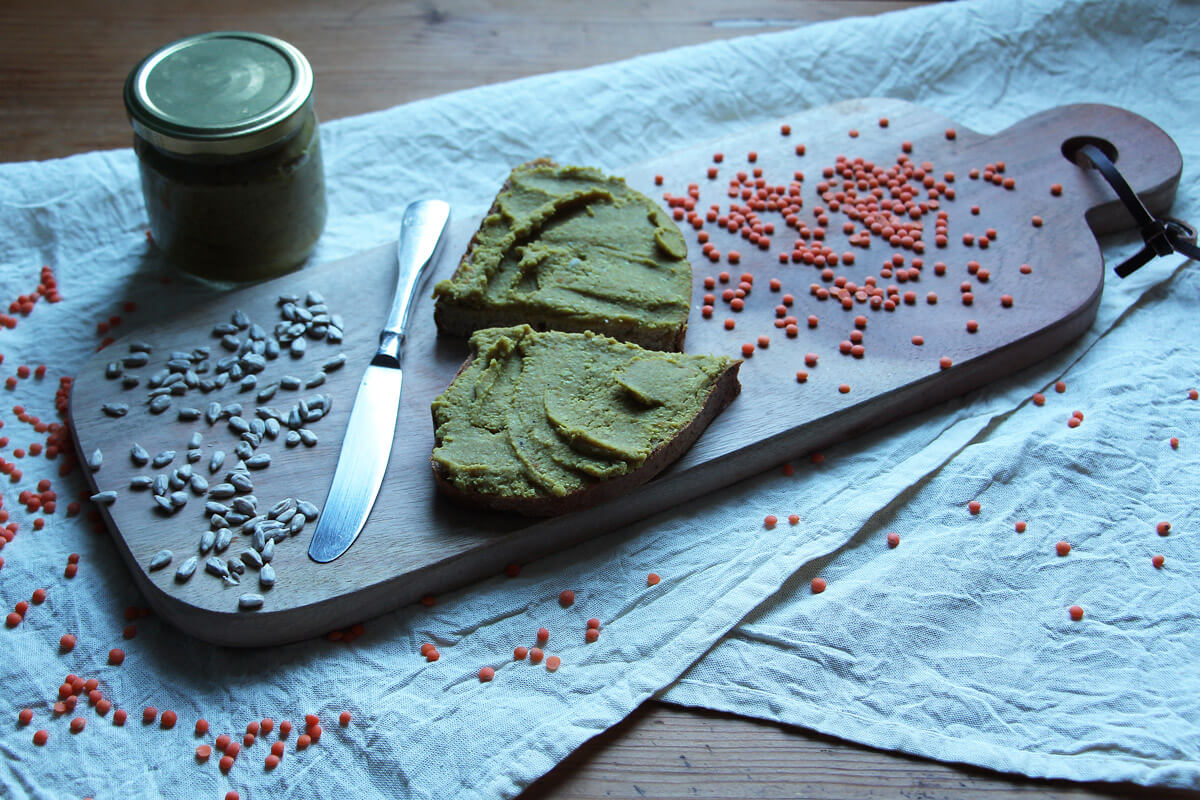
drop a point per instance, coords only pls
(547, 414)
(573, 249)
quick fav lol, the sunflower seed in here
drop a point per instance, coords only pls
(294, 419)
(95, 460)
(195, 440)
(246, 504)
(258, 540)
(184, 472)
(194, 455)
(173, 379)
(207, 540)
(217, 459)
(251, 524)
(217, 521)
(213, 412)
(224, 538)
(179, 366)
(335, 335)
(141, 482)
(310, 511)
(213, 507)
(268, 551)
(233, 410)
(243, 451)
(191, 379)
(266, 576)
(162, 459)
(215, 566)
(115, 409)
(135, 360)
(222, 490)
(280, 507)
(158, 378)
(284, 299)
(238, 425)
(139, 346)
(188, 414)
(247, 383)
(240, 319)
(296, 524)
(271, 428)
(175, 481)
(179, 499)
(181, 355)
(230, 342)
(186, 569)
(291, 439)
(223, 329)
(160, 404)
(259, 461)
(160, 559)
(160, 485)
(236, 519)
(251, 558)
(286, 516)
(289, 382)
(164, 504)
(268, 412)
(271, 350)
(308, 437)
(129, 380)
(199, 484)
(249, 602)
(313, 298)
(335, 363)
(297, 348)
(267, 392)
(315, 381)
(253, 363)
(256, 332)
(316, 331)
(201, 353)
(241, 481)
(159, 392)
(235, 566)
(112, 370)
(257, 427)
(178, 389)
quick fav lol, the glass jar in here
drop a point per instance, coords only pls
(229, 152)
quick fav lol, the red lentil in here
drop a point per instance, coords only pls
(232, 749)
(1076, 612)
(893, 539)
(116, 656)
(1163, 528)
(535, 655)
(1037, 221)
(102, 706)
(770, 520)
(1174, 443)
(285, 728)
(512, 570)
(1062, 548)
(945, 362)
(801, 377)
(201, 727)
(653, 579)
(39, 596)
(520, 652)
(13, 619)
(819, 585)
(119, 716)
(203, 752)
(1020, 526)
(149, 714)
(543, 635)
(566, 597)
(252, 728)
(278, 748)
(591, 634)
(302, 741)
(26, 716)
(41, 737)
(168, 719)
(974, 506)
(553, 663)
(66, 643)
(266, 726)
(78, 724)
(311, 719)
(972, 326)
(793, 519)
(1158, 561)
(1193, 394)
(486, 674)
(225, 764)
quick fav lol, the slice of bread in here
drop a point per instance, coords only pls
(572, 249)
(543, 423)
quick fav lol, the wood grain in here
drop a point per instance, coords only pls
(415, 542)
(663, 751)
(64, 62)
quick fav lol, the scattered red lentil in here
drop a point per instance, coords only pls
(893, 539)
(168, 719)
(974, 506)
(553, 663)
(119, 716)
(303, 741)
(13, 619)
(770, 520)
(819, 585)
(149, 714)
(1062, 548)
(1193, 394)
(1076, 612)
(1174, 443)
(201, 727)
(512, 570)
(285, 728)
(486, 674)
(793, 519)
(1163, 528)
(520, 652)
(945, 362)
(41, 737)
(566, 597)
(1158, 561)
(203, 752)
(266, 726)
(543, 635)
(26, 716)
(535, 655)
(78, 724)
(278, 748)
(844, 388)
(252, 728)
(652, 579)
(66, 643)
(1056, 189)
(1020, 526)
(116, 656)
(39, 596)
(591, 634)
(1037, 221)
(225, 764)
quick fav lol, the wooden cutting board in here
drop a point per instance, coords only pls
(416, 543)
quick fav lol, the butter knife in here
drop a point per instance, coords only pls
(368, 443)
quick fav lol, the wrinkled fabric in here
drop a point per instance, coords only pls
(955, 645)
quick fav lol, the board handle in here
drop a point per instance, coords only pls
(1149, 159)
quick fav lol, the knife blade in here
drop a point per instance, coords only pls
(368, 444)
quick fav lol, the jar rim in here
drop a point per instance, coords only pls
(225, 92)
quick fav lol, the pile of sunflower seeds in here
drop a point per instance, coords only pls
(230, 506)
(249, 347)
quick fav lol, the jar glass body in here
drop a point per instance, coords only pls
(237, 218)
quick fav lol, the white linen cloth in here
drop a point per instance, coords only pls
(954, 645)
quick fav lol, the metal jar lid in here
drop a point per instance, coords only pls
(224, 93)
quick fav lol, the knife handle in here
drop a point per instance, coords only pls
(420, 235)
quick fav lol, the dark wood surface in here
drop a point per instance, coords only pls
(63, 64)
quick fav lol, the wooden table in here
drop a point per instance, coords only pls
(64, 63)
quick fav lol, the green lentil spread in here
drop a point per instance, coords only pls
(546, 414)
(573, 249)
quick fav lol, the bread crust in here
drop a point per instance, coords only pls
(719, 397)
(463, 322)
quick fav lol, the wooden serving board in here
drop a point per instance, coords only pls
(416, 542)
